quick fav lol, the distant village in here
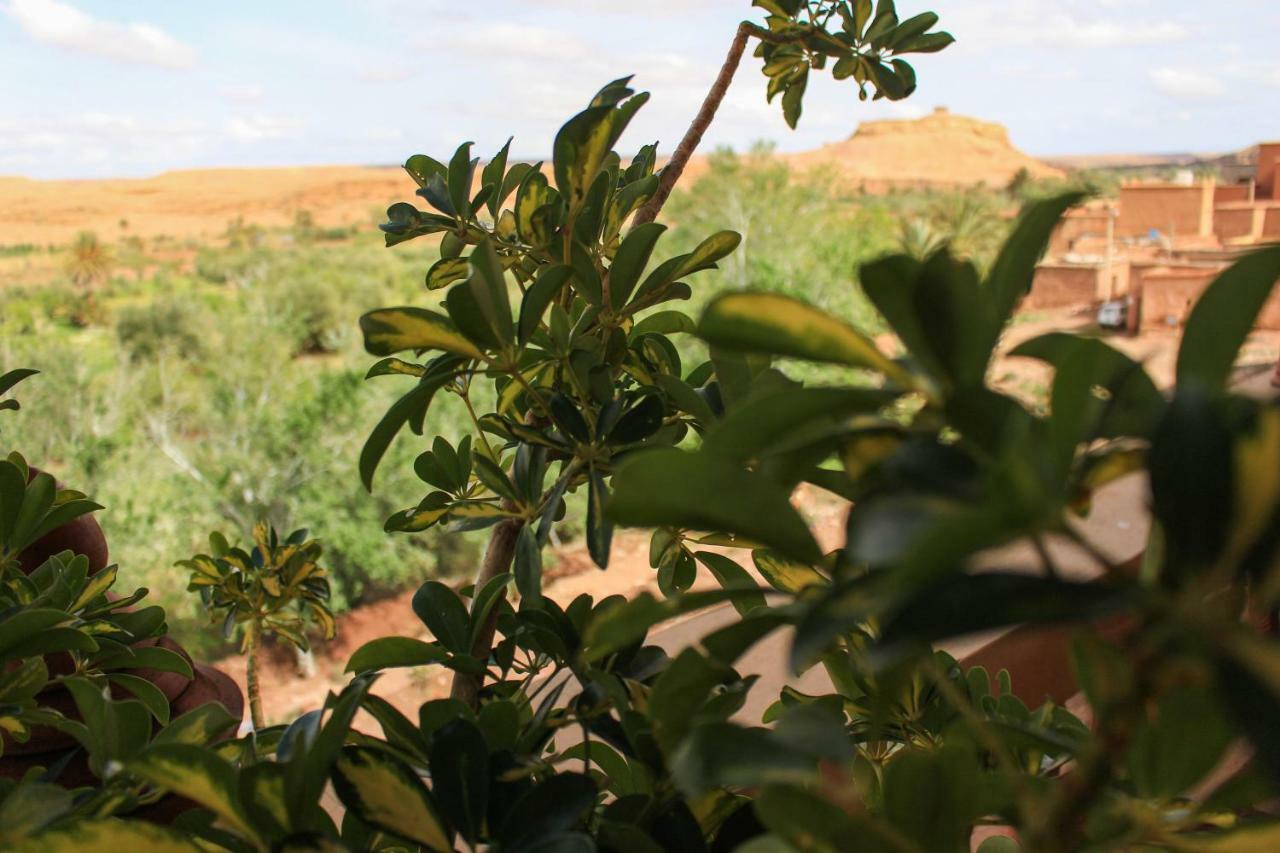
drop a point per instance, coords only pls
(1149, 254)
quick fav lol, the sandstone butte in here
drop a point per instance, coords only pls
(939, 149)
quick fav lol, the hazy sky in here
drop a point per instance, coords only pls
(132, 87)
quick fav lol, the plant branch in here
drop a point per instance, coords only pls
(497, 560)
(706, 113)
(252, 644)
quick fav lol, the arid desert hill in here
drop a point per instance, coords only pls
(939, 149)
(193, 203)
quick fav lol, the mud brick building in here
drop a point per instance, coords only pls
(1160, 244)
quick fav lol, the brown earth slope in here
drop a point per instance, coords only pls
(195, 203)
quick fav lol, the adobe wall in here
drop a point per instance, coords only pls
(1061, 285)
(1073, 226)
(1171, 209)
(1238, 221)
(1271, 223)
(1169, 293)
(1227, 193)
(1268, 154)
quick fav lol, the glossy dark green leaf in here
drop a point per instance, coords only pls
(672, 488)
(488, 285)
(1190, 465)
(459, 762)
(732, 576)
(614, 628)
(390, 652)
(1015, 266)
(639, 422)
(492, 176)
(809, 822)
(716, 754)
(410, 408)
(1135, 405)
(968, 604)
(544, 289)
(630, 261)
(680, 692)
(528, 566)
(768, 421)
(558, 803)
(933, 797)
(569, 420)
(1184, 738)
(599, 524)
(1249, 682)
(462, 169)
(938, 310)
(444, 614)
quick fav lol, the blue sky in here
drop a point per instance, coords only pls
(95, 88)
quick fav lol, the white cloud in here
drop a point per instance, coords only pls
(1041, 24)
(1187, 85)
(243, 94)
(95, 138)
(256, 128)
(65, 26)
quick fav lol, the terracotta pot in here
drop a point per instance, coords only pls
(82, 535)
(57, 698)
(209, 685)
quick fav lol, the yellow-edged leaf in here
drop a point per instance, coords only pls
(324, 618)
(710, 250)
(386, 794)
(391, 330)
(533, 195)
(780, 325)
(194, 773)
(446, 271)
(786, 575)
(416, 520)
(107, 834)
(479, 510)
(94, 587)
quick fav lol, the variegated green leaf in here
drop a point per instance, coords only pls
(196, 774)
(109, 834)
(387, 794)
(446, 271)
(780, 325)
(391, 330)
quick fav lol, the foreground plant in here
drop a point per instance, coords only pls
(583, 371)
(1172, 670)
(274, 589)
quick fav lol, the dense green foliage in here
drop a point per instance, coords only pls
(205, 364)
(213, 393)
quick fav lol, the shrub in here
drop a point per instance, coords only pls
(163, 325)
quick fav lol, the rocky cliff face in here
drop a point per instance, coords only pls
(938, 149)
